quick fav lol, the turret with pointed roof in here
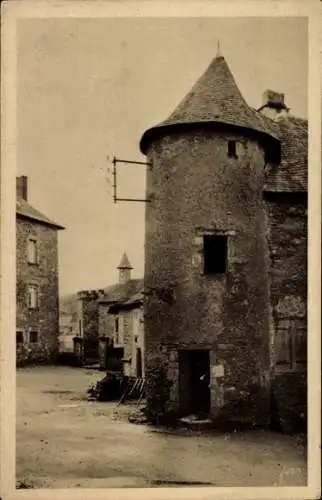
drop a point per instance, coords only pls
(124, 268)
(206, 278)
(214, 100)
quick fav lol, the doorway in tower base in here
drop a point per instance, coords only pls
(194, 381)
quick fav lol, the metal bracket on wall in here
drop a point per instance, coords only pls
(126, 162)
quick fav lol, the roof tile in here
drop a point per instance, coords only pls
(215, 98)
(25, 210)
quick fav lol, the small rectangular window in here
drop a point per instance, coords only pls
(215, 253)
(33, 337)
(232, 150)
(19, 337)
(32, 251)
(116, 325)
(32, 296)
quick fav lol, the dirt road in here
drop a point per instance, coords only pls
(65, 441)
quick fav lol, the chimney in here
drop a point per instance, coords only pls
(22, 187)
(125, 269)
(273, 105)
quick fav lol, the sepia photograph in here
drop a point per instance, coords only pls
(161, 252)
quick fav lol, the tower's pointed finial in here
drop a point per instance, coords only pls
(218, 49)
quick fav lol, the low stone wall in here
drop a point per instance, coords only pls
(35, 354)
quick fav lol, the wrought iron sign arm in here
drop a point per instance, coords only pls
(126, 162)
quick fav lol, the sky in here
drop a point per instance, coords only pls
(89, 88)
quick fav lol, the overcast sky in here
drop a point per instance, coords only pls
(88, 89)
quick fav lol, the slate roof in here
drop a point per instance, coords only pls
(133, 301)
(121, 292)
(26, 211)
(291, 174)
(214, 99)
(125, 263)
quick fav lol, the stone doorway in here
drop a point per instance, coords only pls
(194, 382)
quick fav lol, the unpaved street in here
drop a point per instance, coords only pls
(65, 441)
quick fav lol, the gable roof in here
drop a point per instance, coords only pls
(121, 292)
(291, 174)
(26, 211)
(214, 99)
(132, 302)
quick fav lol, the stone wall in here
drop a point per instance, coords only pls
(105, 321)
(44, 319)
(287, 237)
(194, 189)
(126, 332)
(90, 329)
(137, 338)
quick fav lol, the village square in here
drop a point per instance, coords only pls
(192, 369)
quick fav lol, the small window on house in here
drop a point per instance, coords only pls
(215, 253)
(19, 337)
(32, 296)
(116, 328)
(232, 149)
(32, 251)
(33, 337)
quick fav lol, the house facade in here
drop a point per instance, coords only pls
(129, 333)
(37, 303)
(121, 331)
(96, 335)
(226, 247)
(66, 334)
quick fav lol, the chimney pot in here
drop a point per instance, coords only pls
(273, 105)
(273, 99)
(22, 187)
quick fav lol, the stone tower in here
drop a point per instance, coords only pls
(206, 271)
(125, 269)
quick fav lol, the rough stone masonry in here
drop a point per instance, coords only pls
(225, 183)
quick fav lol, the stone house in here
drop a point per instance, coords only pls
(120, 327)
(92, 326)
(226, 248)
(129, 333)
(66, 334)
(37, 303)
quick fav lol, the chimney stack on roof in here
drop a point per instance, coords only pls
(22, 187)
(273, 99)
(273, 104)
(125, 269)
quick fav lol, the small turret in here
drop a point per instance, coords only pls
(125, 269)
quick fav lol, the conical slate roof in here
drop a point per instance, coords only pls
(214, 99)
(125, 263)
